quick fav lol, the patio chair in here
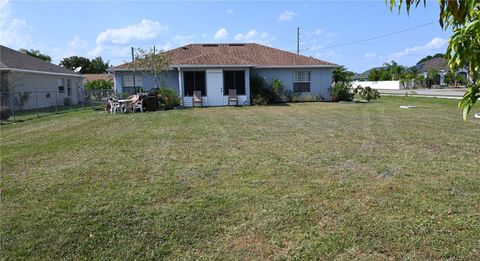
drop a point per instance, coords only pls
(197, 98)
(114, 106)
(137, 105)
(232, 96)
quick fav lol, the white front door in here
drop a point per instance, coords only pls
(215, 87)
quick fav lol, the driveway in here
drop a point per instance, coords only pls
(452, 93)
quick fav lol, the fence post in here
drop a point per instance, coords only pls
(56, 101)
(13, 105)
(36, 103)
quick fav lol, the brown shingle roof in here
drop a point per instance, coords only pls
(238, 54)
(11, 59)
(97, 76)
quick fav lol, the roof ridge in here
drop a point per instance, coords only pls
(212, 52)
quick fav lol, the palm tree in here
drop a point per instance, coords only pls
(341, 74)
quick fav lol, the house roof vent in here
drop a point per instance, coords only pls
(238, 44)
(209, 45)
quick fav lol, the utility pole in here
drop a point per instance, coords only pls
(133, 56)
(298, 40)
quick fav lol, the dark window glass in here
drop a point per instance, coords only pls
(61, 89)
(194, 81)
(234, 80)
(301, 87)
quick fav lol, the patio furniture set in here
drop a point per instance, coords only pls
(133, 103)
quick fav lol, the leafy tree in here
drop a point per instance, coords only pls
(462, 51)
(36, 54)
(394, 71)
(341, 74)
(96, 65)
(152, 62)
(98, 85)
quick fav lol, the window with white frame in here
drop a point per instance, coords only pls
(301, 81)
(131, 83)
(61, 85)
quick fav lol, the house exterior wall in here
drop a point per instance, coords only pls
(168, 79)
(320, 78)
(43, 89)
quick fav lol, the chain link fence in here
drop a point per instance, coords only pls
(21, 106)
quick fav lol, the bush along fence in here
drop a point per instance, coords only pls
(19, 106)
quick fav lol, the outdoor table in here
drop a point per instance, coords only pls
(126, 103)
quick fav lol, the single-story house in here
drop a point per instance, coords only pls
(39, 83)
(214, 69)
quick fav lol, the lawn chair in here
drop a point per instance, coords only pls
(137, 105)
(114, 106)
(232, 96)
(197, 98)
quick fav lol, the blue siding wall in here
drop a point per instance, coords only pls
(168, 79)
(321, 78)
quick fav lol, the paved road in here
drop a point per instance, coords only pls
(436, 93)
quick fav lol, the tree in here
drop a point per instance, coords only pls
(394, 71)
(152, 62)
(96, 65)
(462, 51)
(36, 54)
(341, 74)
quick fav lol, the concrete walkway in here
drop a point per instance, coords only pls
(456, 93)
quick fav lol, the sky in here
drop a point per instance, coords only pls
(357, 34)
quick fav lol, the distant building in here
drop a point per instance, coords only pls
(42, 83)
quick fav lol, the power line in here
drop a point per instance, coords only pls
(379, 36)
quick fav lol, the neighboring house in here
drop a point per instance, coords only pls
(43, 83)
(97, 76)
(213, 69)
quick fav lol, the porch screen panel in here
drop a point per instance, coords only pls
(234, 80)
(194, 81)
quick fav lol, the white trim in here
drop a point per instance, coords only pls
(40, 72)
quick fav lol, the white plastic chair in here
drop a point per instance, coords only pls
(137, 105)
(114, 106)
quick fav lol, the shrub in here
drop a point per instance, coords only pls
(260, 92)
(168, 98)
(5, 113)
(67, 101)
(367, 93)
(98, 85)
(341, 92)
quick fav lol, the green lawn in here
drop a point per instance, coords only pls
(303, 181)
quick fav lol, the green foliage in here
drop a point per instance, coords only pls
(168, 98)
(429, 57)
(98, 85)
(5, 112)
(341, 74)
(96, 65)
(36, 54)
(462, 51)
(341, 92)
(367, 93)
(432, 77)
(260, 92)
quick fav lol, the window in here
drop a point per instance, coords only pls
(61, 85)
(234, 80)
(69, 87)
(131, 83)
(301, 81)
(194, 81)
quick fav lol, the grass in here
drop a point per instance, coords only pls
(304, 181)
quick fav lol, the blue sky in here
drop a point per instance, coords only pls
(110, 28)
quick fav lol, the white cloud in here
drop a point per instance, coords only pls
(370, 55)
(287, 15)
(435, 44)
(222, 33)
(14, 32)
(229, 11)
(145, 30)
(316, 32)
(254, 36)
